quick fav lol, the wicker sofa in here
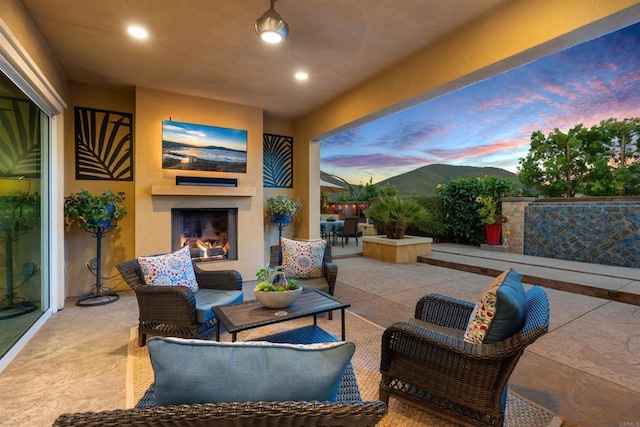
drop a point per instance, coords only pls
(348, 409)
(249, 414)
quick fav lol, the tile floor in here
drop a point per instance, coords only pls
(586, 368)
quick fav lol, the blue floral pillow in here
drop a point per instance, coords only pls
(174, 269)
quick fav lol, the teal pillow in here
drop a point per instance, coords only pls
(510, 310)
(199, 371)
(500, 312)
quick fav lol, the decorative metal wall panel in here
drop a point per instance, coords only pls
(104, 145)
(20, 137)
(594, 232)
(278, 161)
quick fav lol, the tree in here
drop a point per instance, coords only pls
(616, 166)
(601, 161)
(557, 164)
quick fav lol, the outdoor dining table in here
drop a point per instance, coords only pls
(331, 228)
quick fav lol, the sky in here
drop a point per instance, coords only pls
(490, 122)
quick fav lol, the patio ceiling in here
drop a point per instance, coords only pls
(209, 48)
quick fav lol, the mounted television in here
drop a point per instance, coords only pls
(188, 146)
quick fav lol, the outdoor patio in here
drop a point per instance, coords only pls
(585, 369)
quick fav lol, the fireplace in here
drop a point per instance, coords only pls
(211, 234)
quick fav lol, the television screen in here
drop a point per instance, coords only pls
(187, 146)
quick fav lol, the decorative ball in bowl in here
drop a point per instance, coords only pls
(278, 299)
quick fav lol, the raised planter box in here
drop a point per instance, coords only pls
(396, 250)
(368, 229)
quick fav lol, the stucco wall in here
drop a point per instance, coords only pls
(80, 246)
(153, 213)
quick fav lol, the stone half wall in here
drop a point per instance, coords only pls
(599, 232)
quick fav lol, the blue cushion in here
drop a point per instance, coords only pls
(500, 312)
(510, 309)
(207, 298)
(200, 371)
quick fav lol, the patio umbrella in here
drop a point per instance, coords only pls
(327, 187)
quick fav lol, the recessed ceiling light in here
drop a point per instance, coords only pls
(301, 75)
(137, 32)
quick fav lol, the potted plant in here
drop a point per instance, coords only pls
(492, 220)
(91, 211)
(394, 214)
(275, 290)
(19, 210)
(283, 208)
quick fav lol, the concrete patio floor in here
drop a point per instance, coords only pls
(585, 369)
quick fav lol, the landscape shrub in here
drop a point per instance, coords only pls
(432, 225)
(461, 221)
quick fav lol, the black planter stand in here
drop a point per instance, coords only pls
(281, 222)
(99, 295)
(16, 306)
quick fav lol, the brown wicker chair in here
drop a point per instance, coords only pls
(447, 376)
(171, 310)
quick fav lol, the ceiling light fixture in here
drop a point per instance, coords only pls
(137, 32)
(301, 75)
(271, 27)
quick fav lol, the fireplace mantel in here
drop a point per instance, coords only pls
(201, 190)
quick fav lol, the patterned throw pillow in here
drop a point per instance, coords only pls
(500, 312)
(174, 269)
(302, 259)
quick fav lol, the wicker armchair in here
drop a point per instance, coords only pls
(447, 376)
(171, 310)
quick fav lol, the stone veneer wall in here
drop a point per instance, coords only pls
(514, 209)
(599, 232)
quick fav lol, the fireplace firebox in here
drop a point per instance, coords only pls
(210, 234)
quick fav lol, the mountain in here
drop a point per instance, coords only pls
(423, 181)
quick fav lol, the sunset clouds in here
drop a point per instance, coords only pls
(490, 123)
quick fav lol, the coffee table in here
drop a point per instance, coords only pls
(242, 316)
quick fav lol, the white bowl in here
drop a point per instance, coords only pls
(278, 299)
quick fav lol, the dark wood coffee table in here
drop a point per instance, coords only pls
(246, 315)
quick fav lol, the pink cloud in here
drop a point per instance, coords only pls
(478, 150)
(490, 103)
(377, 160)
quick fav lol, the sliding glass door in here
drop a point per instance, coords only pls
(24, 140)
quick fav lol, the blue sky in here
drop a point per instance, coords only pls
(490, 122)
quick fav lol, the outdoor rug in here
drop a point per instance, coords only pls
(366, 363)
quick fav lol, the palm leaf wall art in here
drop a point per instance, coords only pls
(20, 137)
(104, 145)
(278, 161)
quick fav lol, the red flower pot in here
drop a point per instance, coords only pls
(493, 233)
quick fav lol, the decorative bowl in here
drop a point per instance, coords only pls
(278, 299)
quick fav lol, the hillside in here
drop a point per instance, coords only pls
(423, 181)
